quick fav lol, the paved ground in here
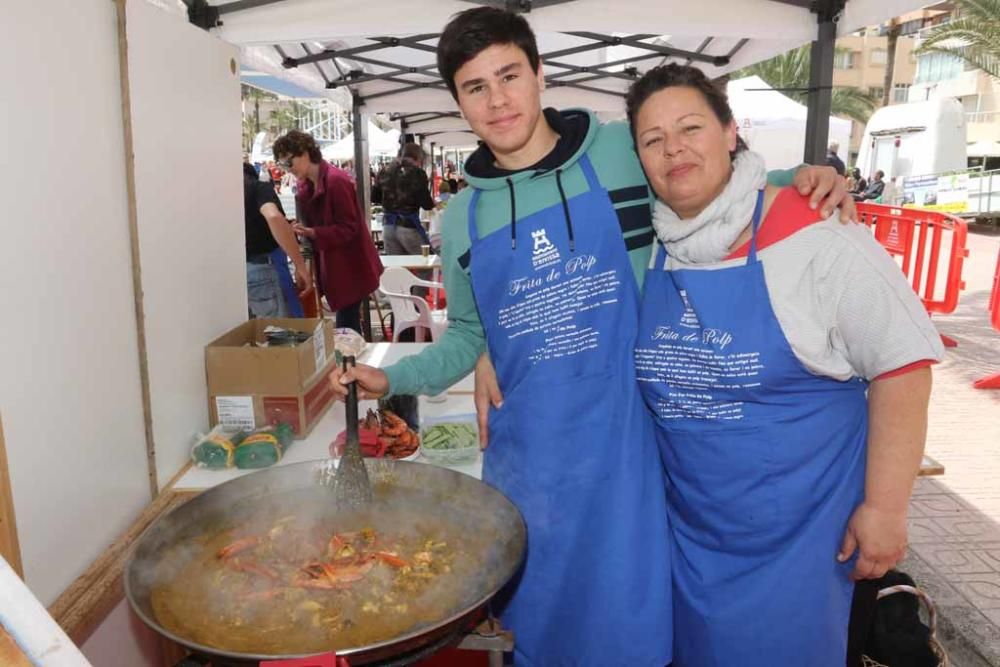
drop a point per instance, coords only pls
(955, 518)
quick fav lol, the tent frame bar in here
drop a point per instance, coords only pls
(401, 74)
(636, 42)
(206, 16)
(518, 6)
(821, 80)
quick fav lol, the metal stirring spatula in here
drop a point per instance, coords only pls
(351, 487)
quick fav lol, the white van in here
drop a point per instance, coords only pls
(914, 139)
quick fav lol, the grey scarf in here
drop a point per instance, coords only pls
(708, 237)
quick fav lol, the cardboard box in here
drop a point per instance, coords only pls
(251, 386)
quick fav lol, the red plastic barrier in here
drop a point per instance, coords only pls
(993, 381)
(922, 240)
(994, 306)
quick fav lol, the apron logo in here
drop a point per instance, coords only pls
(543, 252)
(689, 319)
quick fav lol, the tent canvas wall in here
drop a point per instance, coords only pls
(775, 125)
(380, 142)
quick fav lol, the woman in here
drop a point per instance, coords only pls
(329, 216)
(786, 362)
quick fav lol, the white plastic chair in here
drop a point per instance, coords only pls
(408, 310)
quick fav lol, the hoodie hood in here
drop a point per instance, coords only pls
(577, 129)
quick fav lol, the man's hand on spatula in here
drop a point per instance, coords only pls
(372, 382)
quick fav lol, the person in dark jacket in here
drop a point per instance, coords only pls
(833, 160)
(875, 188)
(329, 216)
(860, 184)
(404, 192)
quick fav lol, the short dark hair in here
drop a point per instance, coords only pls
(413, 152)
(471, 32)
(296, 143)
(674, 75)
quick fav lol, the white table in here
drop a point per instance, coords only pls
(315, 447)
(411, 261)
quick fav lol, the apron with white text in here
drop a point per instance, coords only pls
(573, 445)
(766, 463)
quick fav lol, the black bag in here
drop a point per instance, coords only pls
(886, 628)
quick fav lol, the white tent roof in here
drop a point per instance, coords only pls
(336, 43)
(774, 125)
(380, 142)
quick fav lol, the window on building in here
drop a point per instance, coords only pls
(933, 67)
(900, 92)
(878, 57)
(877, 92)
(844, 59)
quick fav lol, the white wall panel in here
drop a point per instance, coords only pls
(69, 380)
(186, 124)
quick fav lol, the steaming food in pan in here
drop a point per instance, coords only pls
(279, 581)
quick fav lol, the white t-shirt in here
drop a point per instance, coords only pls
(842, 302)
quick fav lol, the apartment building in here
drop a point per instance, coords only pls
(941, 75)
(861, 58)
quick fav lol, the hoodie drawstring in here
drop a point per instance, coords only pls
(513, 216)
(565, 204)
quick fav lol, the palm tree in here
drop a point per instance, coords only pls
(285, 117)
(892, 31)
(972, 36)
(789, 73)
(251, 124)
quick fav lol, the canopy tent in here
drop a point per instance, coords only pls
(380, 142)
(775, 125)
(590, 55)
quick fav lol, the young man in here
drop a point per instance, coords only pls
(329, 216)
(542, 256)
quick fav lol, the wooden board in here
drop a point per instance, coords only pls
(10, 549)
(930, 468)
(87, 602)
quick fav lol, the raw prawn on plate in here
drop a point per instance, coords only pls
(383, 434)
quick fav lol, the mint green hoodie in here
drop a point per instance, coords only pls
(610, 150)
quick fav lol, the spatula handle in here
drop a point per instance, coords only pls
(351, 404)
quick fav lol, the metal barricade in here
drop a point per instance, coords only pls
(924, 243)
(993, 381)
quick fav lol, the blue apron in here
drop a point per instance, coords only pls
(573, 445)
(279, 260)
(766, 463)
(393, 218)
